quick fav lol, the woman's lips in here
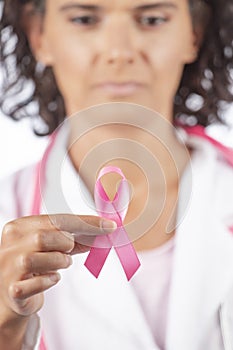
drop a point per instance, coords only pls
(119, 89)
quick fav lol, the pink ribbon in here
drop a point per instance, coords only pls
(114, 210)
(42, 345)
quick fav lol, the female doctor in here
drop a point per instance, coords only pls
(154, 54)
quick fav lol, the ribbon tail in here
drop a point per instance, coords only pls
(96, 259)
(42, 345)
(126, 252)
(128, 259)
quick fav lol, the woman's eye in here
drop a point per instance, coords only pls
(151, 20)
(85, 20)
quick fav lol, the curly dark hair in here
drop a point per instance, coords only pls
(208, 78)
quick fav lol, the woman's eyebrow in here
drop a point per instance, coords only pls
(75, 5)
(91, 7)
(156, 5)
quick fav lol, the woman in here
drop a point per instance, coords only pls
(155, 54)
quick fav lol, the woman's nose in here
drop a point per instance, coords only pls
(119, 44)
(119, 55)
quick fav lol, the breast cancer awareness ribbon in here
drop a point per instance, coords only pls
(114, 210)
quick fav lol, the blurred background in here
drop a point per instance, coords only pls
(19, 146)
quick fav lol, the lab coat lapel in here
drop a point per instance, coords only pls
(203, 258)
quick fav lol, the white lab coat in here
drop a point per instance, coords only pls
(85, 313)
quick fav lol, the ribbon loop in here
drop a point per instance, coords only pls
(114, 210)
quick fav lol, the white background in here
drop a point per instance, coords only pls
(18, 145)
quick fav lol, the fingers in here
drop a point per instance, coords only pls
(42, 263)
(83, 224)
(24, 289)
(48, 241)
(33, 248)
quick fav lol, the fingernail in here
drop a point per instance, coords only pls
(69, 260)
(55, 278)
(108, 225)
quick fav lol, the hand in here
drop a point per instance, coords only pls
(33, 248)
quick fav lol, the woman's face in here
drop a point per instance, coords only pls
(119, 50)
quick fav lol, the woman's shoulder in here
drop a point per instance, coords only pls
(16, 192)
